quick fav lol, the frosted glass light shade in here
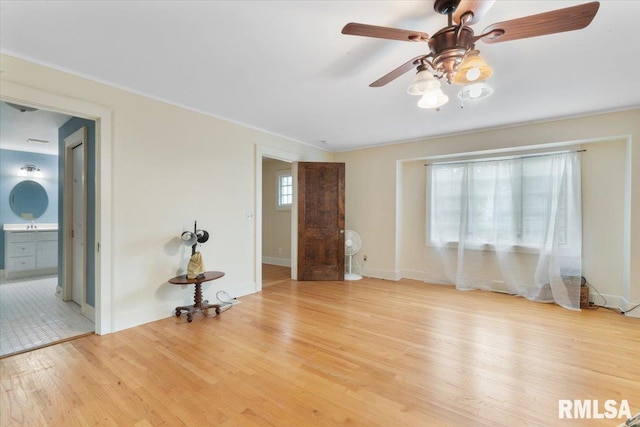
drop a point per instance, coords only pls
(422, 82)
(473, 69)
(475, 91)
(433, 99)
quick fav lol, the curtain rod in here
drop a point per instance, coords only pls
(462, 162)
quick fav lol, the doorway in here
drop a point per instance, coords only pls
(264, 158)
(277, 198)
(32, 314)
(100, 238)
(277, 194)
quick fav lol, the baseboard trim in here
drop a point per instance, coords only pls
(423, 277)
(612, 301)
(30, 273)
(413, 275)
(166, 307)
(282, 262)
(89, 312)
(628, 306)
(635, 313)
(381, 274)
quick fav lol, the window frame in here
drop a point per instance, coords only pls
(279, 175)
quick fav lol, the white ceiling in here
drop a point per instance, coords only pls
(284, 67)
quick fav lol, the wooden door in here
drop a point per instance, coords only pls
(320, 221)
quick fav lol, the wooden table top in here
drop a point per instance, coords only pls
(208, 275)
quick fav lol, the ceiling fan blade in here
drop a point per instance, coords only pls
(477, 7)
(556, 21)
(398, 71)
(355, 29)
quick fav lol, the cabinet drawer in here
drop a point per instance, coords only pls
(23, 236)
(20, 249)
(22, 263)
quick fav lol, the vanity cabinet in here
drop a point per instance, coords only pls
(30, 253)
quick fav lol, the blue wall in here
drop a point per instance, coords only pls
(67, 129)
(10, 163)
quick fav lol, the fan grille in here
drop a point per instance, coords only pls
(352, 242)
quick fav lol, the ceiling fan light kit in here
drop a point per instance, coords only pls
(475, 91)
(423, 82)
(433, 99)
(452, 52)
(473, 69)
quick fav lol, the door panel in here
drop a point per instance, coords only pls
(77, 294)
(320, 221)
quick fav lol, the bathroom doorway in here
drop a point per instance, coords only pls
(100, 238)
(33, 310)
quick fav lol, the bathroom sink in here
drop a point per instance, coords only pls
(29, 227)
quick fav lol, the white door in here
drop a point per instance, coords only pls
(74, 216)
(78, 230)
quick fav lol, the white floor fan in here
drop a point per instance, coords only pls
(351, 247)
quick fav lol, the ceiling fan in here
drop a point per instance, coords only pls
(452, 49)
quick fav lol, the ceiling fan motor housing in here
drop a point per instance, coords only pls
(445, 6)
(449, 47)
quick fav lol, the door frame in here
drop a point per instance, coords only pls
(79, 137)
(31, 97)
(285, 156)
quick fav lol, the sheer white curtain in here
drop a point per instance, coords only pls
(512, 225)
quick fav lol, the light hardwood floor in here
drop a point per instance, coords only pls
(272, 274)
(366, 353)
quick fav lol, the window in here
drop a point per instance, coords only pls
(501, 201)
(284, 184)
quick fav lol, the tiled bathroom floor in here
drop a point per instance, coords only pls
(31, 315)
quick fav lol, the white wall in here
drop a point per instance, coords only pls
(370, 209)
(170, 166)
(603, 207)
(276, 223)
(393, 226)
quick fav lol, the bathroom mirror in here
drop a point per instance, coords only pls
(28, 200)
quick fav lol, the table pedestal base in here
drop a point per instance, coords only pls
(198, 305)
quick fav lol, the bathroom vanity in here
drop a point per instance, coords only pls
(30, 250)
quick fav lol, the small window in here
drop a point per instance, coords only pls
(285, 189)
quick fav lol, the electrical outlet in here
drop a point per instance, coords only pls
(279, 251)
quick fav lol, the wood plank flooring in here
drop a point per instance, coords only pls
(272, 274)
(362, 353)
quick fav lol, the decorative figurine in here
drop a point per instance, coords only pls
(195, 268)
